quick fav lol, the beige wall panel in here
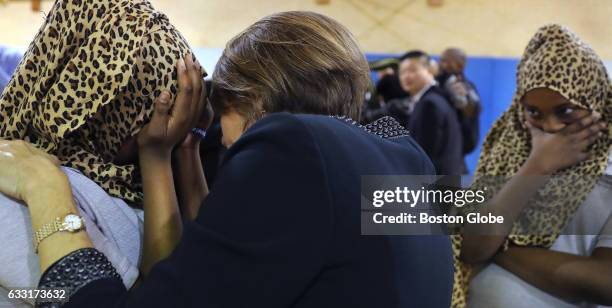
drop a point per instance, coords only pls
(483, 27)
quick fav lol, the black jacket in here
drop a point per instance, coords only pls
(470, 126)
(434, 124)
(281, 228)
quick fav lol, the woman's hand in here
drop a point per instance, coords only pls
(171, 123)
(31, 175)
(552, 152)
(549, 153)
(24, 169)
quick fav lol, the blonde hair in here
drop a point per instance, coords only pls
(299, 62)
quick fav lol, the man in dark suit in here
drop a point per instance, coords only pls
(431, 119)
(463, 95)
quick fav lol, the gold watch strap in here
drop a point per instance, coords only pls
(46, 231)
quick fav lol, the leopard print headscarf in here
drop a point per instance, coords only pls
(557, 59)
(87, 82)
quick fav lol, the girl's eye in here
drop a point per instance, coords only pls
(532, 112)
(566, 111)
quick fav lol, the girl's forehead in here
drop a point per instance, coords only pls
(544, 94)
(545, 99)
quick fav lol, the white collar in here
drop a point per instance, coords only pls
(417, 97)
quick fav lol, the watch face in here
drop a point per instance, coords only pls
(73, 222)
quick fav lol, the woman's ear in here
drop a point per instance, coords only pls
(253, 118)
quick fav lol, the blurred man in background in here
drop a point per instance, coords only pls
(462, 94)
(428, 115)
(387, 88)
(434, 67)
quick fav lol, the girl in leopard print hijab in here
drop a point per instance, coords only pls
(83, 89)
(86, 85)
(554, 248)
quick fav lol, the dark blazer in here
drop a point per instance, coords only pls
(281, 228)
(470, 126)
(434, 124)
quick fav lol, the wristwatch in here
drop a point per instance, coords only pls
(70, 223)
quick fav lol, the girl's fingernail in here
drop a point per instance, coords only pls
(164, 97)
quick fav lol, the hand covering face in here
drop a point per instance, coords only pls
(87, 82)
(556, 59)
